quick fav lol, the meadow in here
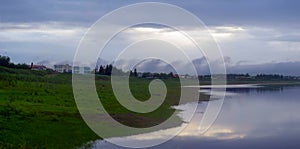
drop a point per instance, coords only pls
(38, 110)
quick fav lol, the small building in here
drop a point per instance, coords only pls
(81, 70)
(175, 75)
(63, 68)
(139, 74)
(186, 76)
(38, 67)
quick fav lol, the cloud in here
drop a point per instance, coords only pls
(82, 12)
(214, 12)
(257, 32)
(155, 66)
(39, 32)
(288, 38)
(201, 65)
(256, 12)
(34, 42)
(286, 68)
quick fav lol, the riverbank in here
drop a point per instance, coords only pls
(38, 110)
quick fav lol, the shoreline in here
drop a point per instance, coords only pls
(34, 104)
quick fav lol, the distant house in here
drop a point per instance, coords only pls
(38, 67)
(139, 74)
(63, 68)
(81, 70)
(186, 76)
(175, 75)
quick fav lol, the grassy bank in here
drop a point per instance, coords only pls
(38, 110)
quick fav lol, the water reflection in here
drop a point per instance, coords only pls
(253, 117)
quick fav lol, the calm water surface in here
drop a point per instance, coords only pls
(263, 117)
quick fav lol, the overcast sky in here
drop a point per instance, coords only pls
(254, 36)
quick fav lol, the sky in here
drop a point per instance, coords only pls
(257, 36)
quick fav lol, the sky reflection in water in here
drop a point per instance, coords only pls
(266, 117)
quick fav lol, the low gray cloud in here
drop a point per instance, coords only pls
(51, 29)
(288, 38)
(285, 68)
(213, 12)
(201, 65)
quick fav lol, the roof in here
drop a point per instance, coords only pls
(38, 67)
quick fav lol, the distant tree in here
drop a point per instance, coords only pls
(22, 66)
(130, 73)
(11, 65)
(171, 75)
(106, 70)
(101, 70)
(165, 75)
(135, 72)
(156, 75)
(147, 74)
(4, 61)
(110, 67)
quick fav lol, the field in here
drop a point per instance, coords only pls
(38, 110)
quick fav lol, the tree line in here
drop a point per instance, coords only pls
(107, 70)
(5, 62)
(248, 77)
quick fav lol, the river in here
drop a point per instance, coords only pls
(251, 117)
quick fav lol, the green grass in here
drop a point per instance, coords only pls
(40, 114)
(38, 110)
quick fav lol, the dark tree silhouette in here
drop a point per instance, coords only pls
(101, 70)
(4, 61)
(135, 72)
